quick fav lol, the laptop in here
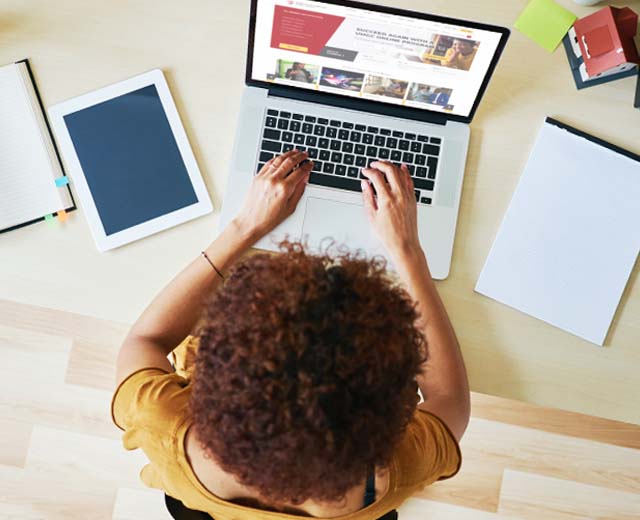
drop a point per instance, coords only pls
(351, 83)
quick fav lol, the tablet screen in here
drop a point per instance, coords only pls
(130, 159)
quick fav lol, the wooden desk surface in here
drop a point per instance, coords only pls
(76, 46)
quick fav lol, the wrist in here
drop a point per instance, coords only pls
(410, 261)
(244, 232)
(229, 246)
(405, 252)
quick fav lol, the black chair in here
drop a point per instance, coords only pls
(179, 511)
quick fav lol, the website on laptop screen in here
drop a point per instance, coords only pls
(377, 56)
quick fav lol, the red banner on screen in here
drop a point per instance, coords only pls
(302, 31)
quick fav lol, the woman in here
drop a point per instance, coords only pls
(303, 400)
(298, 73)
(460, 55)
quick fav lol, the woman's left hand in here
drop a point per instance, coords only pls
(274, 194)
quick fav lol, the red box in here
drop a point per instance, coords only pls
(606, 40)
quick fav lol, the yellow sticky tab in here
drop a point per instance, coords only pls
(62, 215)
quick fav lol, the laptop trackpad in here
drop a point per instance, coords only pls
(343, 222)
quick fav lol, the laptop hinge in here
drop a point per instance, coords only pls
(358, 104)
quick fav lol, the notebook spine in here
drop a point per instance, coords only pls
(593, 139)
(46, 121)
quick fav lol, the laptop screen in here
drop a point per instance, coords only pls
(382, 57)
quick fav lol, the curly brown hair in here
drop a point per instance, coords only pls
(305, 373)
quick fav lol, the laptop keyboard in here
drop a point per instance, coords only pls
(339, 149)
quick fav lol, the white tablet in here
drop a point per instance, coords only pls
(130, 161)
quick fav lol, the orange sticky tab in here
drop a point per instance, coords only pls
(291, 47)
(62, 215)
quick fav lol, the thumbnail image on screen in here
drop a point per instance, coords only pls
(297, 71)
(446, 51)
(429, 94)
(342, 79)
(383, 86)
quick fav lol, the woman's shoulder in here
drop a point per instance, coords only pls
(427, 452)
(150, 402)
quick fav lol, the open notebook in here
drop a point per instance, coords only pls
(32, 182)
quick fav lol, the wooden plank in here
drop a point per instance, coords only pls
(532, 497)
(60, 323)
(15, 437)
(420, 509)
(89, 459)
(476, 486)
(92, 365)
(555, 421)
(134, 504)
(524, 449)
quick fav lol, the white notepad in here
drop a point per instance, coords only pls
(29, 165)
(571, 235)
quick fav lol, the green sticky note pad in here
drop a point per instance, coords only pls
(545, 22)
(50, 219)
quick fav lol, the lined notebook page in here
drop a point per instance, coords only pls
(27, 167)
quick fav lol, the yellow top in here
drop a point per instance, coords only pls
(461, 61)
(152, 408)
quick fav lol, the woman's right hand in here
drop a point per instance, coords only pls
(392, 209)
(274, 194)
